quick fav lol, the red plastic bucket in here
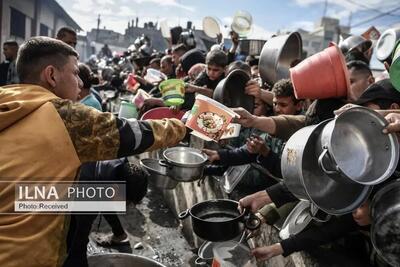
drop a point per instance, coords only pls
(323, 75)
(162, 113)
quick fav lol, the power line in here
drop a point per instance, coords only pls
(376, 17)
(370, 8)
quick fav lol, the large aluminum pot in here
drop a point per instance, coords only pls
(184, 164)
(307, 181)
(121, 259)
(354, 149)
(278, 55)
(157, 174)
(385, 216)
(387, 43)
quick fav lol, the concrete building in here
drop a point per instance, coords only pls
(21, 19)
(325, 30)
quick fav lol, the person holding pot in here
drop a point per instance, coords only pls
(34, 149)
(379, 96)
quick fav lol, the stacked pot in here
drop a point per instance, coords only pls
(180, 164)
(335, 163)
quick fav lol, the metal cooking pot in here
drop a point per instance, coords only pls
(353, 42)
(157, 174)
(121, 259)
(278, 55)
(386, 44)
(230, 91)
(307, 181)
(219, 220)
(298, 219)
(184, 164)
(385, 229)
(356, 148)
(206, 253)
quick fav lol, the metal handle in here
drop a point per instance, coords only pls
(252, 222)
(200, 261)
(313, 207)
(321, 163)
(183, 214)
(164, 163)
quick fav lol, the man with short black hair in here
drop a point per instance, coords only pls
(45, 136)
(10, 51)
(360, 78)
(67, 35)
(284, 100)
(177, 52)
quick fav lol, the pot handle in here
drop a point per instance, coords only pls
(183, 214)
(315, 218)
(321, 162)
(252, 222)
(199, 261)
(163, 163)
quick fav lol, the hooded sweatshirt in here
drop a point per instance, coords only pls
(45, 139)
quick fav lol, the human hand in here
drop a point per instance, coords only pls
(219, 38)
(246, 119)
(267, 252)
(394, 123)
(211, 154)
(344, 108)
(257, 145)
(254, 201)
(234, 37)
(252, 88)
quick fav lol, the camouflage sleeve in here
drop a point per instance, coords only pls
(101, 136)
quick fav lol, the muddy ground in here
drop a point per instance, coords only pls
(153, 232)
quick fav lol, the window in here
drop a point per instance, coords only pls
(44, 30)
(17, 23)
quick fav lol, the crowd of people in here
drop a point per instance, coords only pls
(54, 123)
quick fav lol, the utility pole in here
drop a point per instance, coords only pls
(325, 8)
(98, 27)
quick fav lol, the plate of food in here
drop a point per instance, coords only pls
(210, 122)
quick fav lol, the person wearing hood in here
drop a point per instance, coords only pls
(46, 136)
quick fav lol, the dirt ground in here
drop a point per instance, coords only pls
(153, 232)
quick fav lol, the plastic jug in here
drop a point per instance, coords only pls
(232, 254)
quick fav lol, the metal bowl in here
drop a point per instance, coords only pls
(387, 43)
(278, 55)
(230, 91)
(157, 174)
(121, 259)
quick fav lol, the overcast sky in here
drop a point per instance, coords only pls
(269, 15)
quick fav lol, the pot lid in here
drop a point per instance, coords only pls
(230, 91)
(386, 44)
(297, 220)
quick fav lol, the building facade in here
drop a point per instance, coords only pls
(22, 19)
